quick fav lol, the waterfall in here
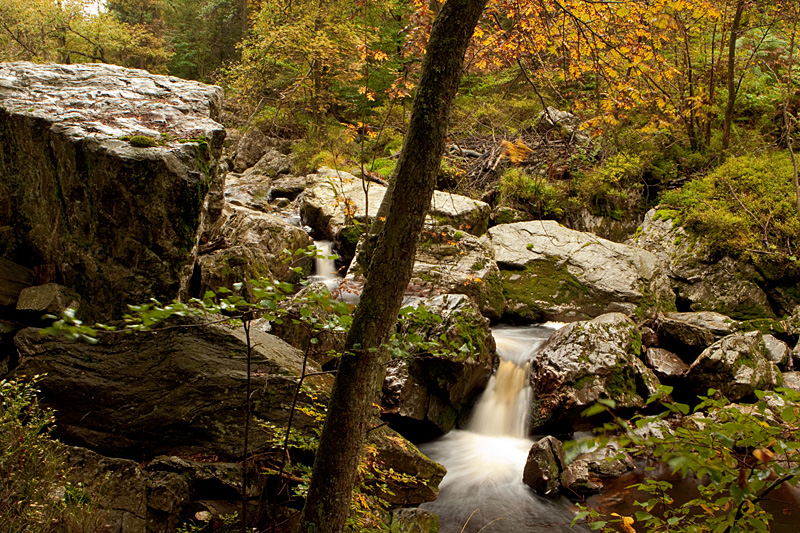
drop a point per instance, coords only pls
(483, 489)
(503, 408)
(324, 268)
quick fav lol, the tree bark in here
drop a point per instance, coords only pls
(735, 28)
(361, 369)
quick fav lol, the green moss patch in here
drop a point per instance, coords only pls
(541, 284)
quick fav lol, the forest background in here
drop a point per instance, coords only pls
(669, 91)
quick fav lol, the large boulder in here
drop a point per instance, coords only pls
(180, 392)
(334, 199)
(450, 261)
(438, 386)
(736, 366)
(688, 334)
(700, 281)
(550, 272)
(251, 246)
(584, 362)
(104, 173)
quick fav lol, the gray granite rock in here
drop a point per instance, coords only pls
(108, 171)
(736, 366)
(550, 272)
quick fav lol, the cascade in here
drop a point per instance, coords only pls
(483, 489)
(324, 268)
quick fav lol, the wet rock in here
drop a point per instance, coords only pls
(127, 499)
(180, 392)
(665, 363)
(173, 392)
(544, 466)
(439, 387)
(253, 245)
(550, 272)
(449, 261)
(394, 454)
(701, 282)
(106, 171)
(688, 334)
(583, 362)
(50, 298)
(332, 200)
(736, 366)
(414, 520)
(13, 278)
(778, 352)
(251, 147)
(578, 480)
(608, 461)
(248, 190)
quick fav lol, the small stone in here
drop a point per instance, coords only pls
(51, 298)
(665, 363)
(777, 351)
(544, 466)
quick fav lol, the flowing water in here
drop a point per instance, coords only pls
(483, 489)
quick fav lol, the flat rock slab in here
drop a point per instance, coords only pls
(550, 272)
(117, 218)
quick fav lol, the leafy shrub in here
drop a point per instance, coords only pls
(741, 454)
(35, 496)
(534, 194)
(745, 208)
(612, 189)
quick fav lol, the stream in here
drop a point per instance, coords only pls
(483, 489)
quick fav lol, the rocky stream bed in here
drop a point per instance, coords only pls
(94, 218)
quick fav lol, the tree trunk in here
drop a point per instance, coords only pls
(735, 28)
(361, 369)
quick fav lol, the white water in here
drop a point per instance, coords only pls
(324, 268)
(483, 489)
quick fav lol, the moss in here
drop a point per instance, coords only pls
(541, 283)
(140, 141)
(636, 342)
(351, 235)
(764, 325)
(749, 311)
(493, 297)
(620, 384)
(665, 214)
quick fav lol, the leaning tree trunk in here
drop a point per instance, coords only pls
(361, 369)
